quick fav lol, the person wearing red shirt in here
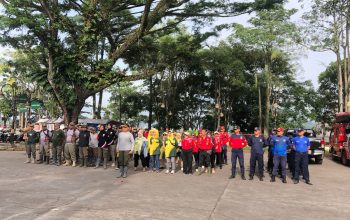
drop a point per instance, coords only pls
(218, 151)
(237, 142)
(224, 139)
(205, 149)
(187, 146)
(195, 151)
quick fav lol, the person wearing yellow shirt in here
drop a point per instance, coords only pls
(154, 145)
(170, 152)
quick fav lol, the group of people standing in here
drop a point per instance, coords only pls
(202, 150)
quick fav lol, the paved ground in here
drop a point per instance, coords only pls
(31, 191)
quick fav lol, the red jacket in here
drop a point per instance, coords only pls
(204, 143)
(195, 145)
(187, 143)
(224, 138)
(217, 144)
(237, 141)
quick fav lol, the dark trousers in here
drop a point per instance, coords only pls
(254, 157)
(196, 159)
(224, 155)
(270, 161)
(212, 159)
(56, 152)
(136, 160)
(302, 160)
(204, 158)
(144, 160)
(218, 157)
(291, 161)
(187, 161)
(279, 160)
(237, 153)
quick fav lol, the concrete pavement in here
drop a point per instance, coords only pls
(33, 191)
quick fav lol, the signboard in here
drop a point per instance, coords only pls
(35, 105)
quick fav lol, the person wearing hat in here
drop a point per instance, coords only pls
(280, 144)
(205, 146)
(237, 142)
(72, 135)
(171, 145)
(224, 140)
(31, 140)
(57, 144)
(140, 151)
(125, 148)
(93, 145)
(44, 144)
(83, 143)
(102, 146)
(187, 155)
(257, 143)
(301, 145)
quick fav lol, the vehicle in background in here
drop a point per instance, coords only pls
(339, 138)
(317, 145)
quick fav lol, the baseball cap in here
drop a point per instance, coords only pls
(300, 129)
(257, 129)
(280, 129)
(236, 127)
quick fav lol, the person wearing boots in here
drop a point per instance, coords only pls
(44, 145)
(170, 152)
(237, 142)
(125, 148)
(72, 135)
(83, 143)
(111, 142)
(57, 144)
(257, 143)
(280, 144)
(31, 140)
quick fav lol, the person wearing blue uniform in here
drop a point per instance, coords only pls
(270, 153)
(257, 143)
(301, 146)
(280, 146)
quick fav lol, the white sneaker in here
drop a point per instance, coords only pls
(33, 161)
(173, 171)
(182, 169)
(27, 161)
(117, 168)
(202, 167)
(213, 171)
(113, 164)
(74, 165)
(167, 171)
(206, 171)
(197, 170)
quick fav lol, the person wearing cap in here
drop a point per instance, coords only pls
(125, 148)
(154, 145)
(111, 142)
(171, 145)
(224, 140)
(257, 143)
(280, 144)
(31, 140)
(187, 155)
(270, 152)
(237, 142)
(195, 151)
(44, 144)
(301, 145)
(93, 145)
(72, 135)
(205, 146)
(83, 143)
(58, 139)
(216, 160)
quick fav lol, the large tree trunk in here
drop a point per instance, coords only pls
(94, 106)
(267, 99)
(150, 104)
(72, 114)
(339, 65)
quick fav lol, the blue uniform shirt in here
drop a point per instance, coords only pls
(280, 145)
(301, 144)
(257, 144)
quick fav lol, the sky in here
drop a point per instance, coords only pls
(309, 64)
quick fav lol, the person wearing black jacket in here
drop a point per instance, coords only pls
(102, 145)
(257, 143)
(111, 142)
(83, 143)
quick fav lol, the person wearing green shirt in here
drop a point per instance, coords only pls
(58, 138)
(32, 138)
